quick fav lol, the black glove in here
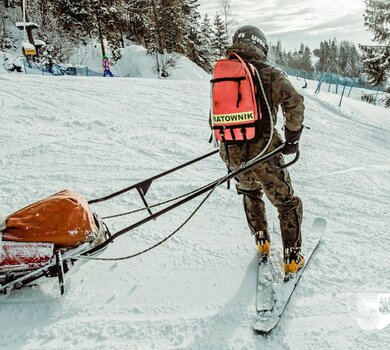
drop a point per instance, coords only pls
(292, 141)
(290, 148)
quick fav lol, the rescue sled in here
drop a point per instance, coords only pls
(41, 240)
(53, 236)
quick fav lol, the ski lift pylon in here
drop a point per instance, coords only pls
(26, 26)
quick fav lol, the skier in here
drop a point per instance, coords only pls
(250, 43)
(106, 67)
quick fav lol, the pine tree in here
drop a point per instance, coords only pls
(171, 25)
(226, 10)
(99, 19)
(192, 34)
(110, 13)
(278, 53)
(138, 18)
(354, 63)
(343, 56)
(349, 60)
(333, 55)
(377, 58)
(306, 63)
(288, 58)
(206, 53)
(59, 43)
(156, 45)
(219, 41)
(323, 54)
(75, 16)
(162, 26)
(295, 60)
(7, 40)
(166, 34)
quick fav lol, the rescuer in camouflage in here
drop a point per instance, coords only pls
(250, 43)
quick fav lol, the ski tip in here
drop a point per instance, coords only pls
(260, 332)
(265, 326)
(264, 330)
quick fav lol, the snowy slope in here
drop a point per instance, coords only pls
(196, 291)
(135, 62)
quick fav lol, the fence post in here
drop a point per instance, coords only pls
(24, 65)
(319, 83)
(330, 81)
(352, 84)
(337, 85)
(322, 78)
(342, 94)
(86, 68)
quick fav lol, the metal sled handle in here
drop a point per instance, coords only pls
(272, 161)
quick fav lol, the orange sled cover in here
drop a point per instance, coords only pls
(63, 219)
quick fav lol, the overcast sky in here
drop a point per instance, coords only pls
(296, 21)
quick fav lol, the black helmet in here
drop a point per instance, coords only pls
(251, 35)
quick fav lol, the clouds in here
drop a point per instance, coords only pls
(297, 21)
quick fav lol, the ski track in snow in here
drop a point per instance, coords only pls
(196, 291)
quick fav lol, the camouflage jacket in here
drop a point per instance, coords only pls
(278, 89)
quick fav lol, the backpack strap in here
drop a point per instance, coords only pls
(218, 80)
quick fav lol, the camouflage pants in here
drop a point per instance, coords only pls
(274, 183)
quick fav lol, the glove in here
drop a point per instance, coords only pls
(292, 141)
(290, 148)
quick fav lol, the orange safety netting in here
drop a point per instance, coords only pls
(64, 219)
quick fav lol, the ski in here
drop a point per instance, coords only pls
(272, 297)
(265, 292)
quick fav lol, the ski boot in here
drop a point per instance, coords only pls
(293, 262)
(263, 245)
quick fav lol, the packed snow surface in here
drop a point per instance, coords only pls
(197, 290)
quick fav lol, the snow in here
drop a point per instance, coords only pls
(197, 291)
(135, 62)
(22, 25)
(8, 61)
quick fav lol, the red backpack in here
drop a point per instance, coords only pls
(235, 110)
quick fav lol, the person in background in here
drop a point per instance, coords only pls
(106, 67)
